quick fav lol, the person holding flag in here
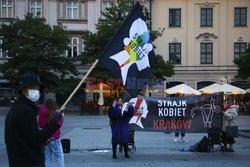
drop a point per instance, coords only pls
(53, 145)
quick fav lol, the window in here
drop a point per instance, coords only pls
(36, 8)
(206, 53)
(171, 84)
(175, 53)
(1, 52)
(174, 17)
(4, 54)
(73, 48)
(206, 17)
(6, 8)
(72, 10)
(106, 5)
(239, 48)
(240, 16)
(202, 84)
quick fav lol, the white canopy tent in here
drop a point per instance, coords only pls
(101, 99)
(183, 89)
(248, 90)
(225, 88)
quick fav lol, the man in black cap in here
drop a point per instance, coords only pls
(24, 140)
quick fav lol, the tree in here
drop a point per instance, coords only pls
(243, 63)
(36, 47)
(94, 43)
(162, 68)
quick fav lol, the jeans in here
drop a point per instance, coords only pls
(55, 148)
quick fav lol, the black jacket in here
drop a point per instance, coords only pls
(24, 140)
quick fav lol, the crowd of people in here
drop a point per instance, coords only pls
(33, 142)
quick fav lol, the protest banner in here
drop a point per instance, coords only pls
(193, 114)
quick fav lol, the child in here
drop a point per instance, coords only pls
(53, 146)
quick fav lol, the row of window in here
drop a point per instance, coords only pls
(6, 8)
(73, 49)
(72, 9)
(206, 52)
(35, 7)
(7, 11)
(206, 17)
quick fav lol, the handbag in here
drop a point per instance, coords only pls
(65, 145)
(232, 131)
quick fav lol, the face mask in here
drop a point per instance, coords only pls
(33, 95)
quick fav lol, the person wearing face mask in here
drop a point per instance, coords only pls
(23, 138)
(120, 126)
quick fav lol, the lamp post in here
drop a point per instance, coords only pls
(227, 78)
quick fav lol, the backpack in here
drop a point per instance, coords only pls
(204, 145)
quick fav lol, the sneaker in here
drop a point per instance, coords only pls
(184, 140)
(175, 140)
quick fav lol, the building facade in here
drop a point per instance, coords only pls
(78, 16)
(202, 38)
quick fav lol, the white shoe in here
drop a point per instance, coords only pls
(175, 140)
(184, 140)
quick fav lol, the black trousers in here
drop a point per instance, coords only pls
(125, 146)
(177, 134)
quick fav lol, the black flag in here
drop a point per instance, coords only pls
(129, 55)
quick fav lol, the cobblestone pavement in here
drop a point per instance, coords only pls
(88, 133)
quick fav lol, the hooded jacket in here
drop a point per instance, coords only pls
(24, 140)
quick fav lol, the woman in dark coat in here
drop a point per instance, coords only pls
(120, 126)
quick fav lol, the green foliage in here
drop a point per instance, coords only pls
(94, 43)
(38, 48)
(243, 63)
(162, 68)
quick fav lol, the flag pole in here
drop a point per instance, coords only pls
(78, 86)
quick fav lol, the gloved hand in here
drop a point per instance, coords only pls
(130, 104)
